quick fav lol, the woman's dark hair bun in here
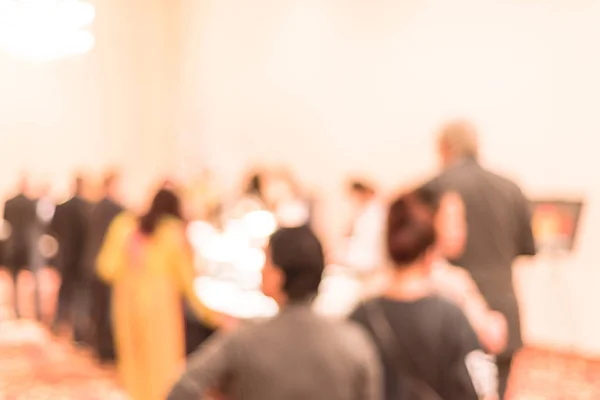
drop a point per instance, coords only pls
(410, 229)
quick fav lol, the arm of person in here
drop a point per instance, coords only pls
(183, 259)
(6, 211)
(473, 373)
(56, 220)
(458, 286)
(110, 258)
(452, 225)
(526, 240)
(207, 370)
(490, 326)
(5, 235)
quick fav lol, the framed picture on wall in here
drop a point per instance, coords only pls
(555, 224)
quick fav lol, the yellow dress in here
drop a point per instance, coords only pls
(150, 277)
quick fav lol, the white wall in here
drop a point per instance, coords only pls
(109, 107)
(330, 87)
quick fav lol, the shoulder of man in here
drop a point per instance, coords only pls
(356, 343)
(508, 186)
(9, 204)
(505, 180)
(13, 200)
(66, 206)
(355, 333)
(447, 180)
(247, 337)
(59, 210)
(359, 314)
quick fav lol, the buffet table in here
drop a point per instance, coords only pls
(230, 261)
(339, 293)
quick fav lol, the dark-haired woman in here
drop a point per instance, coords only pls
(149, 264)
(427, 345)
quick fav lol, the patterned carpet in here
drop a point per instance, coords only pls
(35, 366)
(545, 375)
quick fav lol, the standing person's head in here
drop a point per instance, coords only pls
(165, 204)
(410, 234)
(110, 185)
(456, 141)
(294, 266)
(361, 192)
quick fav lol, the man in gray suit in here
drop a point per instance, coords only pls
(498, 228)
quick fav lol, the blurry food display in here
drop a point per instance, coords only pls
(230, 262)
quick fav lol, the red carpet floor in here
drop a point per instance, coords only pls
(33, 365)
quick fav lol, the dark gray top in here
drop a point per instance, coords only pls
(298, 355)
(429, 339)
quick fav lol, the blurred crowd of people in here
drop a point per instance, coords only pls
(444, 324)
(38, 232)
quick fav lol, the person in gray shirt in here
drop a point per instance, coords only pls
(297, 355)
(497, 223)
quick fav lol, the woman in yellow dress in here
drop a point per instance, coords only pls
(149, 265)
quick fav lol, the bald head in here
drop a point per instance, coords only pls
(458, 140)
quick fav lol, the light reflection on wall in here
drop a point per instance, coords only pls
(46, 29)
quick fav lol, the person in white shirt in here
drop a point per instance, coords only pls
(364, 246)
(285, 199)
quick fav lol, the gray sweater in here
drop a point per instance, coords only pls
(298, 355)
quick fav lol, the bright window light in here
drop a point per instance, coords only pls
(46, 29)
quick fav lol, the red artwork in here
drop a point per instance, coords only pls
(555, 223)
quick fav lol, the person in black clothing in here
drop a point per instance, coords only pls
(498, 228)
(99, 331)
(20, 215)
(427, 346)
(70, 227)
